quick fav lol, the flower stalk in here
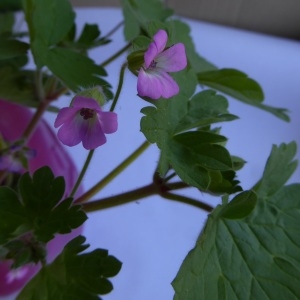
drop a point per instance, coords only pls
(114, 173)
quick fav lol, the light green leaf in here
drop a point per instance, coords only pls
(49, 21)
(76, 70)
(138, 13)
(195, 156)
(204, 109)
(238, 85)
(280, 166)
(249, 257)
(240, 206)
(253, 258)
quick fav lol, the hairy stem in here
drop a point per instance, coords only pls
(116, 55)
(120, 199)
(120, 85)
(114, 173)
(112, 31)
(186, 200)
(82, 173)
(142, 193)
(35, 119)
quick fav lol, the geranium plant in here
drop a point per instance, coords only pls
(249, 246)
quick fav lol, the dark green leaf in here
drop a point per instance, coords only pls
(37, 208)
(238, 85)
(12, 214)
(25, 250)
(73, 275)
(17, 85)
(10, 5)
(6, 22)
(89, 33)
(138, 13)
(10, 48)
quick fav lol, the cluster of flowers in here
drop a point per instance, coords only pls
(84, 121)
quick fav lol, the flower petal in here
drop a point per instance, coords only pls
(71, 133)
(156, 47)
(83, 102)
(65, 115)
(109, 122)
(156, 84)
(94, 136)
(172, 59)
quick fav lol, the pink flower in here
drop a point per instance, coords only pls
(153, 78)
(85, 121)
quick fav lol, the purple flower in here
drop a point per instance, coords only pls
(85, 122)
(14, 158)
(153, 78)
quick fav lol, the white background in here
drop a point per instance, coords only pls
(152, 236)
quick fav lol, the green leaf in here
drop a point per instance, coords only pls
(138, 13)
(37, 208)
(76, 70)
(205, 108)
(49, 21)
(238, 85)
(7, 20)
(249, 256)
(280, 166)
(73, 275)
(90, 37)
(12, 214)
(197, 157)
(10, 5)
(17, 86)
(240, 206)
(10, 48)
(25, 250)
(253, 258)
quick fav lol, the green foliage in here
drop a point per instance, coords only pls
(17, 85)
(76, 70)
(6, 22)
(280, 166)
(10, 5)
(198, 157)
(73, 275)
(47, 38)
(137, 13)
(37, 208)
(249, 256)
(47, 31)
(238, 85)
(90, 37)
(10, 48)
